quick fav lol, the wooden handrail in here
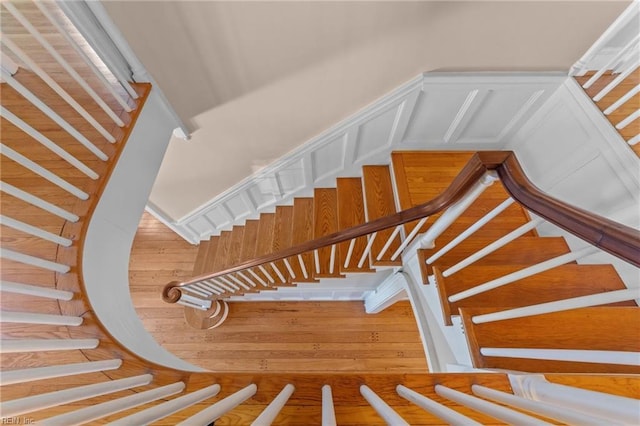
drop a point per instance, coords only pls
(617, 239)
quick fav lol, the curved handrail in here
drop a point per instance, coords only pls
(617, 239)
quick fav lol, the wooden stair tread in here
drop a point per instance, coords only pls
(351, 213)
(282, 238)
(222, 253)
(380, 202)
(562, 282)
(201, 258)
(264, 244)
(303, 232)
(598, 328)
(325, 221)
(211, 254)
(249, 240)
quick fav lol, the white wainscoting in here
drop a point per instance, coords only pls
(435, 111)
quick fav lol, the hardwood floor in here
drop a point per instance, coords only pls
(291, 337)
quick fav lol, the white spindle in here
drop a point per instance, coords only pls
(563, 414)
(389, 241)
(210, 287)
(41, 171)
(612, 62)
(277, 271)
(35, 318)
(634, 140)
(46, 400)
(193, 289)
(195, 300)
(266, 274)
(367, 249)
(352, 245)
(270, 413)
(292, 273)
(561, 305)
(572, 355)
(316, 258)
(32, 65)
(427, 240)
(303, 267)
(409, 238)
(501, 413)
(499, 243)
(46, 142)
(471, 230)
(382, 408)
(33, 261)
(257, 277)
(53, 52)
(191, 305)
(220, 408)
(32, 230)
(7, 64)
(614, 408)
(328, 411)
(239, 282)
(222, 284)
(38, 202)
(624, 74)
(9, 377)
(223, 317)
(524, 273)
(34, 290)
(623, 99)
(41, 345)
(200, 286)
(122, 101)
(332, 259)
(229, 283)
(440, 411)
(93, 412)
(18, 87)
(631, 117)
(167, 408)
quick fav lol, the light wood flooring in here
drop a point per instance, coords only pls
(288, 337)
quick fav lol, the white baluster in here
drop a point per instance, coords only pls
(201, 286)
(229, 283)
(32, 230)
(634, 140)
(195, 300)
(193, 289)
(219, 282)
(35, 318)
(277, 271)
(32, 65)
(523, 273)
(389, 241)
(41, 345)
(51, 399)
(292, 274)
(633, 43)
(122, 101)
(409, 238)
(501, 413)
(303, 267)
(41, 171)
(367, 249)
(328, 411)
(572, 355)
(332, 259)
(38, 202)
(34, 290)
(220, 408)
(470, 230)
(316, 258)
(93, 412)
(624, 74)
(18, 87)
(561, 305)
(8, 377)
(165, 409)
(614, 408)
(237, 281)
(347, 260)
(33, 261)
(257, 277)
(191, 305)
(266, 274)
(617, 104)
(52, 51)
(563, 414)
(47, 143)
(382, 408)
(440, 411)
(247, 279)
(499, 243)
(631, 117)
(270, 413)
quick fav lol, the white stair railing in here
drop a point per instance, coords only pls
(273, 409)
(383, 409)
(570, 355)
(220, 408)
(440, 411)
(328, 411)
(9, 377)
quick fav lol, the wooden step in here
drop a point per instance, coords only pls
(249, 240)
(265, 245)
(201, 258)
(222, 253)
(599, 328)
(380, 202)
(351, 213)
(303, 232)
(325, 222)
(282, 237)
(521, 251)
(563, 282)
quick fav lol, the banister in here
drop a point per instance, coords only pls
(617, 239)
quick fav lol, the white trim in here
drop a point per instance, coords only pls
(390, 291)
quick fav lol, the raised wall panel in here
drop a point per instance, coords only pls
(262, 193)
(219, 217)
(328, 160)
(292, 177)
(375, 134)
(239, 206)
(200, 226)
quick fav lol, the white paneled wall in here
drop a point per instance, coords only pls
(453, 111)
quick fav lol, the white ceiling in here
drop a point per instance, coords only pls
(257, 79)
